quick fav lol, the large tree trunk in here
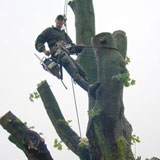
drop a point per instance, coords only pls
(106, 132)
(107, 123)
(85, 29)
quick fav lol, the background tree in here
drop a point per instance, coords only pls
(109, 133)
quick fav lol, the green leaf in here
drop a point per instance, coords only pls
(34, 95)
(135, 139)
(127, 60)
(17, 120)
(90, 112)
(81, 144)
(138, 158)
(57, 144)
(133, 82)
(31, 97)
(124, 78)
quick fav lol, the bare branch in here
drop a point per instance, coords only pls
(25, 139)
(67, 135)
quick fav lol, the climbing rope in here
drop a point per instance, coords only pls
(65, 8)
(75, 102)
(74, 94)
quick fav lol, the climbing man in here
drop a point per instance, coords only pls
(58, 40)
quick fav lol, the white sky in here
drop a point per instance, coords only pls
(20, 71)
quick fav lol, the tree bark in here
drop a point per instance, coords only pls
(85, 29)
(25, 139)
(99, 67)
(67, 135)
(106, 124)
(84, 14)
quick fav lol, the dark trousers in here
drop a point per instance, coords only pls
(72, 67)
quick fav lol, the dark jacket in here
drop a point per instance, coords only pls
(51, 35)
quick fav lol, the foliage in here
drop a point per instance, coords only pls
(61, 121)
(90, 112)
(135, 139)
(57, 144)
(121, 148)
(93, 112)
(127, 61)
(34, 95)
(124, 78)
(138, 158)
(17, 120)
(120, 142)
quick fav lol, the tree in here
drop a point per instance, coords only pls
(108, 132)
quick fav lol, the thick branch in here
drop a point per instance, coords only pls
(85, 29)
(84, 14)
(67, 135)
(121, 42)
(27, 140)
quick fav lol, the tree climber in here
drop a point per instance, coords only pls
(57, 40)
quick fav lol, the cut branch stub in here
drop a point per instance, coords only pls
(25, 139)
(67, 135)
(121, 42)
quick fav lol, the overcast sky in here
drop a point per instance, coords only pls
(20, 71)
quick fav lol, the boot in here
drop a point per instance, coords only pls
(92, 89)
(83, 83)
